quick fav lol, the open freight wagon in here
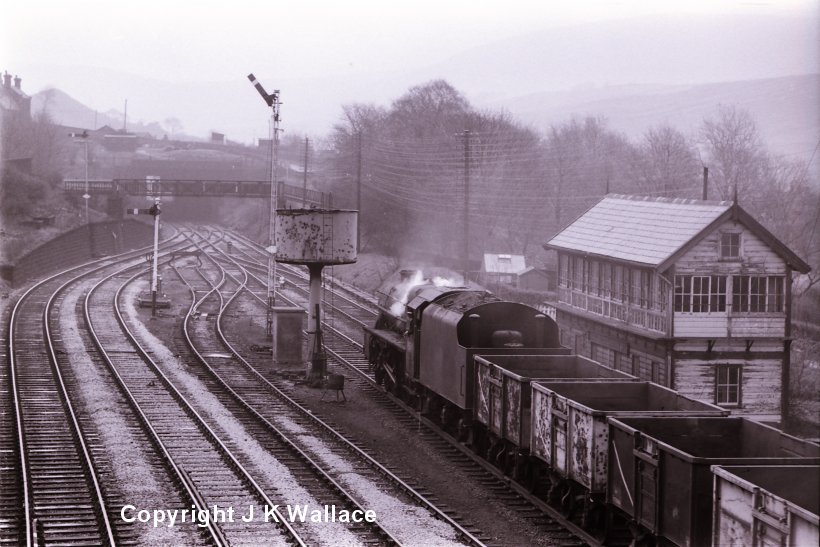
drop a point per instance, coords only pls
(756, 506)
(660, 474)
(503, 392)
(570, 432)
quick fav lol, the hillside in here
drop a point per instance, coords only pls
(65, 110)
(787, 110)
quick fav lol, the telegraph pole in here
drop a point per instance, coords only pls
(359, 188)
(466, 136)
(304, 180)
(272, 100)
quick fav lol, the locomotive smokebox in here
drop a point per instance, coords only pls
(316, 238)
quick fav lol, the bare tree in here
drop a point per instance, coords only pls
(734, 151)
(666, 163)
(584, 160)
(172, 125)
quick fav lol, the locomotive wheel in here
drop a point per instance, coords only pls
(379, 375)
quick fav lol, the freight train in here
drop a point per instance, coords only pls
(615, 454)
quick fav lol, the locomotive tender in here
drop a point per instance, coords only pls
(598, 444)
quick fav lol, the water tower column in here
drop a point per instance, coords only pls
(316, 238)
(316, 352)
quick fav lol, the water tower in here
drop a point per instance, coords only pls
(316, 238)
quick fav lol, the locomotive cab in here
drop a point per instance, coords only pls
(457, 326)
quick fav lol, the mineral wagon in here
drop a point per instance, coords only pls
(766, 505)
(503, 393)
(659, 470)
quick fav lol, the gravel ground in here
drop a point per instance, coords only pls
(138, 480)
(231, 430)
(410, 524)
(366, 419)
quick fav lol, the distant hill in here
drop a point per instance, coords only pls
(787, 110)
(65, 110)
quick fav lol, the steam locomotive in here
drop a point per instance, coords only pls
(422, 345)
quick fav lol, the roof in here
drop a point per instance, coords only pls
(503, 263)
(654, 231)
(525, 271)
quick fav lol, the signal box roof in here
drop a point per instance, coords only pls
(652, 231)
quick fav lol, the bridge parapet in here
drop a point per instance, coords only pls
(289, 195)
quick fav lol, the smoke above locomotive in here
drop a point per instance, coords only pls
(398, 294)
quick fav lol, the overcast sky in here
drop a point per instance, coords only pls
(87, 48)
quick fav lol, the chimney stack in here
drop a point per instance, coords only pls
(7, 79)
(17, 80)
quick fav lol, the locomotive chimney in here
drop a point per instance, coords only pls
(540, 330)
(406, 274)
(474, 318)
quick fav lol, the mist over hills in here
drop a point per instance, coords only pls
(677, 50)
(787, 109)
(635, 72)
(68, 111)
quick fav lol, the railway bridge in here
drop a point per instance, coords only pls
(287, 196)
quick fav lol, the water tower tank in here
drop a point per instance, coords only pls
(316, 236)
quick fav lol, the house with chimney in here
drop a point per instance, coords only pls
(15, 112)
(13, 102)
(694, 295)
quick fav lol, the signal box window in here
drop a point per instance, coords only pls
(700, 293)
(728, 385)
(730, 245)
(758, 294)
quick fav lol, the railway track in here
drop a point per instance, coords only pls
(346, 353)
(63, 492)
(205, 467)
(333, 459)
